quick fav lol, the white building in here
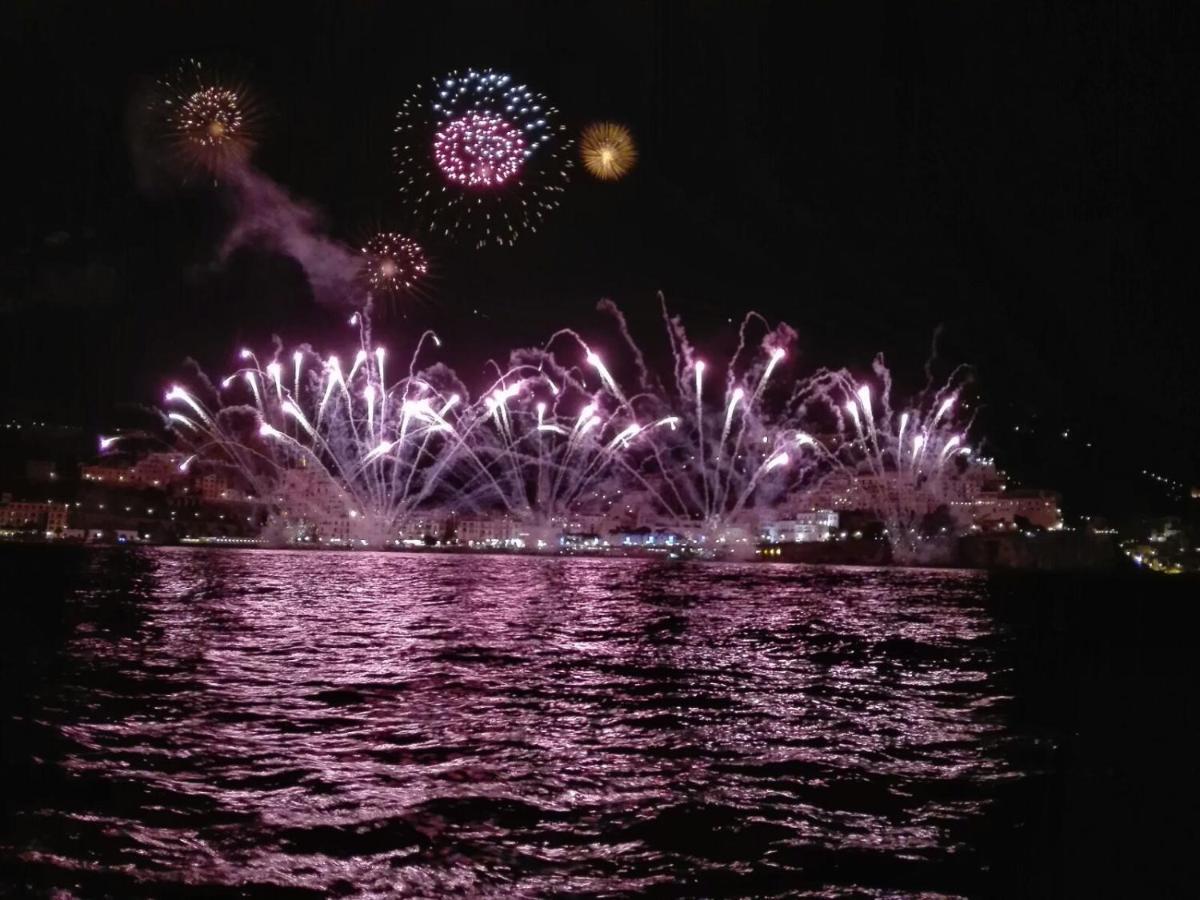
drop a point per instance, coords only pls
(315, 507)
(645, 537)
(801, 528)
(487, 531)
(416, 529)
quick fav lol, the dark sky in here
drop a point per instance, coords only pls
(1026, 177)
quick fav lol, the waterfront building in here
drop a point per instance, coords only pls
(976, 499)
(647, 537)
(215, 487)
(420, 529)
(157, 470)
(800, 528)
(21, 515)
(488, 531)
(314, 506)
(580, 540)
(118, 476)
(154, 470)
(997, 510)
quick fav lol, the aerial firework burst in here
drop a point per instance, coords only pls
(211, 116)
(394, 263)
(479, 150)
(481, 156)
(209, 125)
(607, 150)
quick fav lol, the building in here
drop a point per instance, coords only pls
(157, 470)
(997, 510)
(117, 476)
(903, 493)
(975, 498)
(215, 487)
(420, 529)
(47, 517)
(801, 528)
(313, 505)
(581, 523)
(499, 531)
(646, 537)
(580, 540)
(154, 470)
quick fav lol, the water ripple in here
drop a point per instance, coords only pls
(287, 724)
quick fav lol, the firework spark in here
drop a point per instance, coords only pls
(607, 150)
(479, 151)
(711, 450)
(480, 156)
(211, 117)
(209, 125)
(395, 263)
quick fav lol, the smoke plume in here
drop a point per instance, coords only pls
(267, 216)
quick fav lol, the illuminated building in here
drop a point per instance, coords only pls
(34, 516)
(801, 528)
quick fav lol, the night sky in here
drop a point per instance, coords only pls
(1026, 178)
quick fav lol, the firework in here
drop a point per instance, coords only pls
(480, 156)
(711, 450)
(479, 151)
(209, 125)
(395, 263)
(348, 454)
(607, 150)
(902, 464)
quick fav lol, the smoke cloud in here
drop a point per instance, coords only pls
(264, 214)
(268, 217)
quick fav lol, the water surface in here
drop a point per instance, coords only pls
(251, 723)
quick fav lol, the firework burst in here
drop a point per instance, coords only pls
(607, 150)
(479, 151)
(480, 156)
(394, 263)
(208, 125)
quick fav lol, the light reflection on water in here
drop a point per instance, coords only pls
(431, 725)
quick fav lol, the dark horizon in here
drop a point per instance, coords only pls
(1022, 179)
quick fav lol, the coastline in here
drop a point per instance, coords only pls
(1057, 552)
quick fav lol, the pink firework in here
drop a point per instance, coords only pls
(479, 150)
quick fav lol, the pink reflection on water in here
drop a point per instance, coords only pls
(451, 723)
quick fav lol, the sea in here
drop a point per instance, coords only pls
(214, 723)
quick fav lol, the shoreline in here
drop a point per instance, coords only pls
(866, 558)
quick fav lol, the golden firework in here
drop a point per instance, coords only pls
(208, 124)
(607, 150)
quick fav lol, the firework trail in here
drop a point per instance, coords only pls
(317, 439)
(900, 461)
(709, 451)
